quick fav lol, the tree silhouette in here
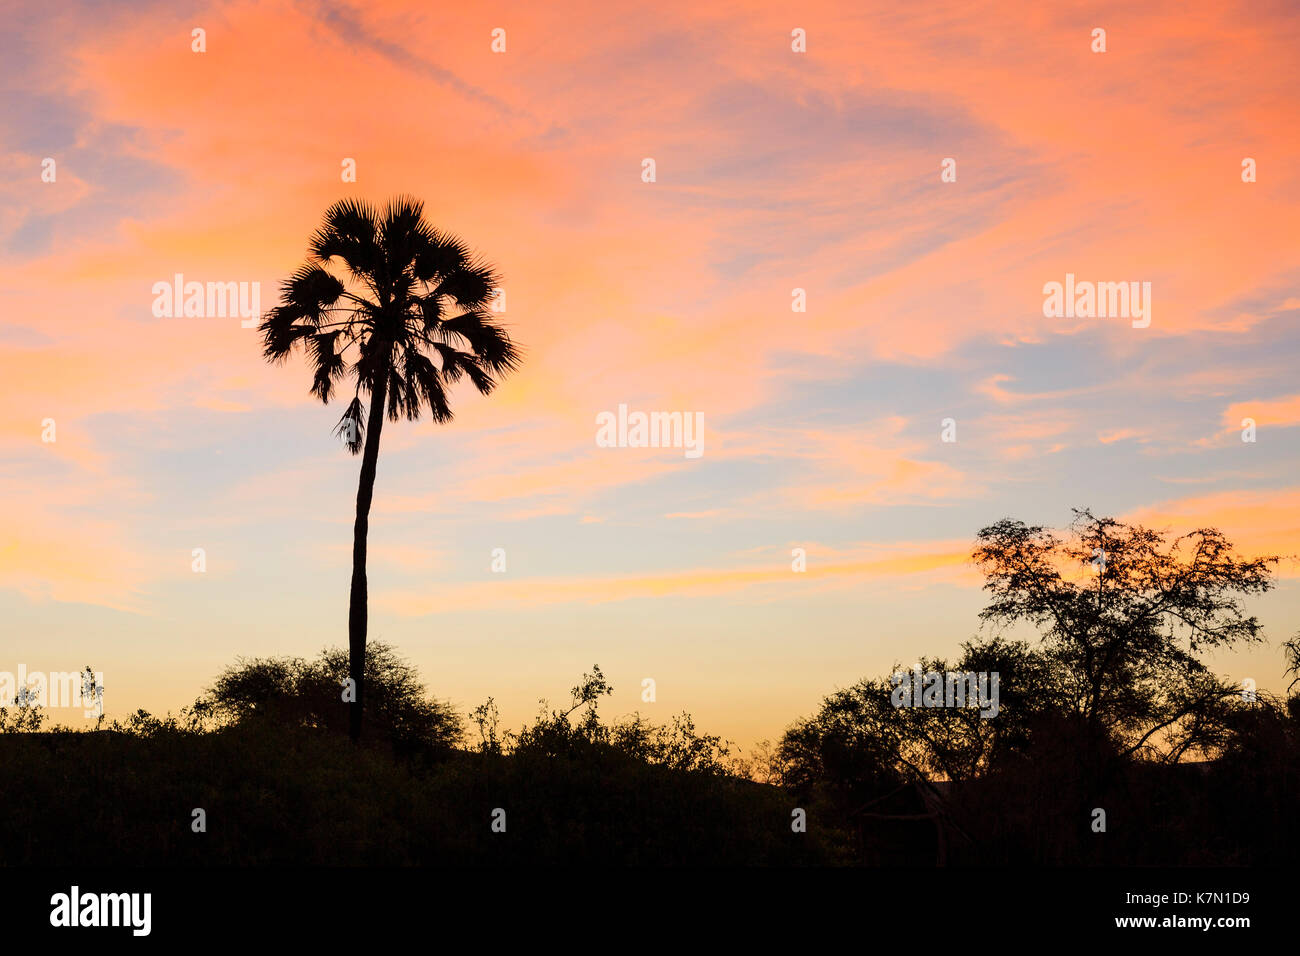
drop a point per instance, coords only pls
(388, 301)
(1114, 687)
(1124, 612)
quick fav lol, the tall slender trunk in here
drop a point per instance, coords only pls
(357, 606)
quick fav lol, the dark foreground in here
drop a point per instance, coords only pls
(277, 796)
(280, 796)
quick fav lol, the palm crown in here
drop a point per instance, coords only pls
(387, 300)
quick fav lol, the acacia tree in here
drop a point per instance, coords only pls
(399, 308)
(1124, 612)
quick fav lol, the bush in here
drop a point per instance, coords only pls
(298, 693)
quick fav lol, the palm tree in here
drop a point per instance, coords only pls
(386, 300)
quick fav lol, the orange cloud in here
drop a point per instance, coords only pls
(1259, 522)
(1281, 412)
(771, 582)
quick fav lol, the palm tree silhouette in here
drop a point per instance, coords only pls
(401, 294)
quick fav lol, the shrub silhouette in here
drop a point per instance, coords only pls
(676, 746)
(309, 694)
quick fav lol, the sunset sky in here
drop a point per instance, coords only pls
(775, 170)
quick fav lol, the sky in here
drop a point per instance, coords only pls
(774, 170)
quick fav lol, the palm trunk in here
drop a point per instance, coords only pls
(357, 606)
